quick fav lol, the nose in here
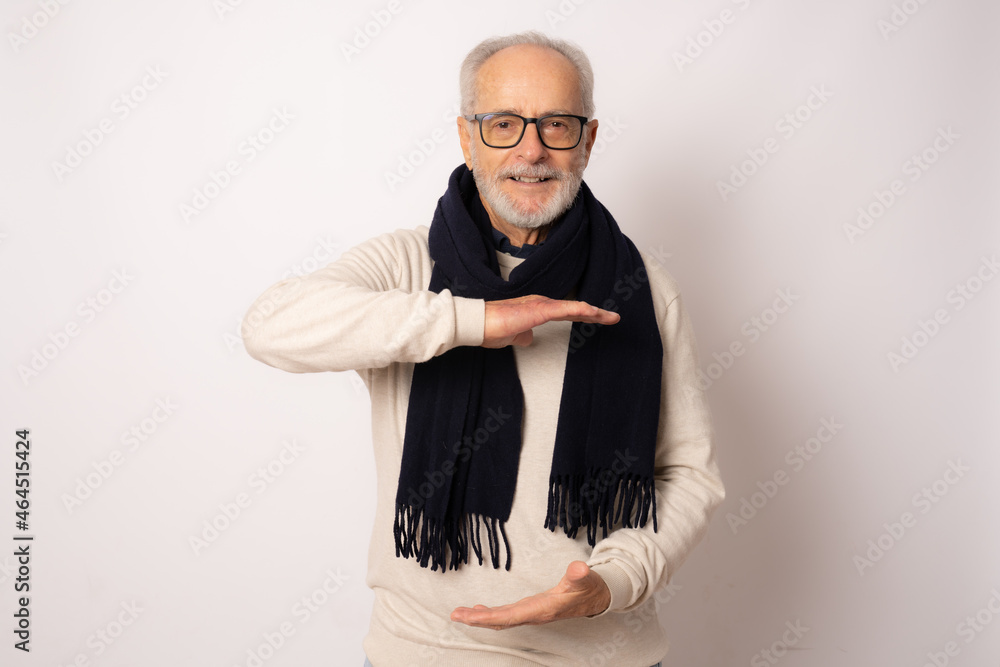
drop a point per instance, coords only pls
(531, 148)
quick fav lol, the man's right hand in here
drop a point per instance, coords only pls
(510, 321)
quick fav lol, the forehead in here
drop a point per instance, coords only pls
(529, 79)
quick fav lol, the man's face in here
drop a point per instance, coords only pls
(531, 81)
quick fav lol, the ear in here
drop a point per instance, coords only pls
(589, 138)
(465, 138)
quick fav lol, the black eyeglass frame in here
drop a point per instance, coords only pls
(527, 121)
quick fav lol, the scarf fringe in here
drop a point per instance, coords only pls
(446, 544)
(576, 501)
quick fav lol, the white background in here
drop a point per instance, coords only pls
(671, 131)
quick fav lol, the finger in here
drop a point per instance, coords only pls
(479, 616)
(581, 311)
(577, 572)
(499, 618)
(466, 612)
(523, 339)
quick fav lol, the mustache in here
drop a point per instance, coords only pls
(528, 171)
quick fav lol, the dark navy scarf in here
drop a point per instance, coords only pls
(463, 426)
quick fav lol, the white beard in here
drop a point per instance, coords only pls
(517, 214)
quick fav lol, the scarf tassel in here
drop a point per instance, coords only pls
(434, 543)
(589, 500)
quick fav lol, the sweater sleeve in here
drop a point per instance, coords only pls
(369, 308)
(635, 563)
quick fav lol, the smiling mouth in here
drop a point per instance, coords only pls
(526, 179)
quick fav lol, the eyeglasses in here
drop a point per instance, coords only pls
(504, 130)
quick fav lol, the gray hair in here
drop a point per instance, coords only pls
(482, 52)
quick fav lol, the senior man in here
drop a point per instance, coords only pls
(535, 405)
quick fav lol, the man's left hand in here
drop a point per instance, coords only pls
(581, 592)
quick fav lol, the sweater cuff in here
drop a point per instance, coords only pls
(618, 583)
(470, 321)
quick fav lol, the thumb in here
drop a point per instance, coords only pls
(577, 572)
(523, 339)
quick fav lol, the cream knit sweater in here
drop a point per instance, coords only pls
(371, 311)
